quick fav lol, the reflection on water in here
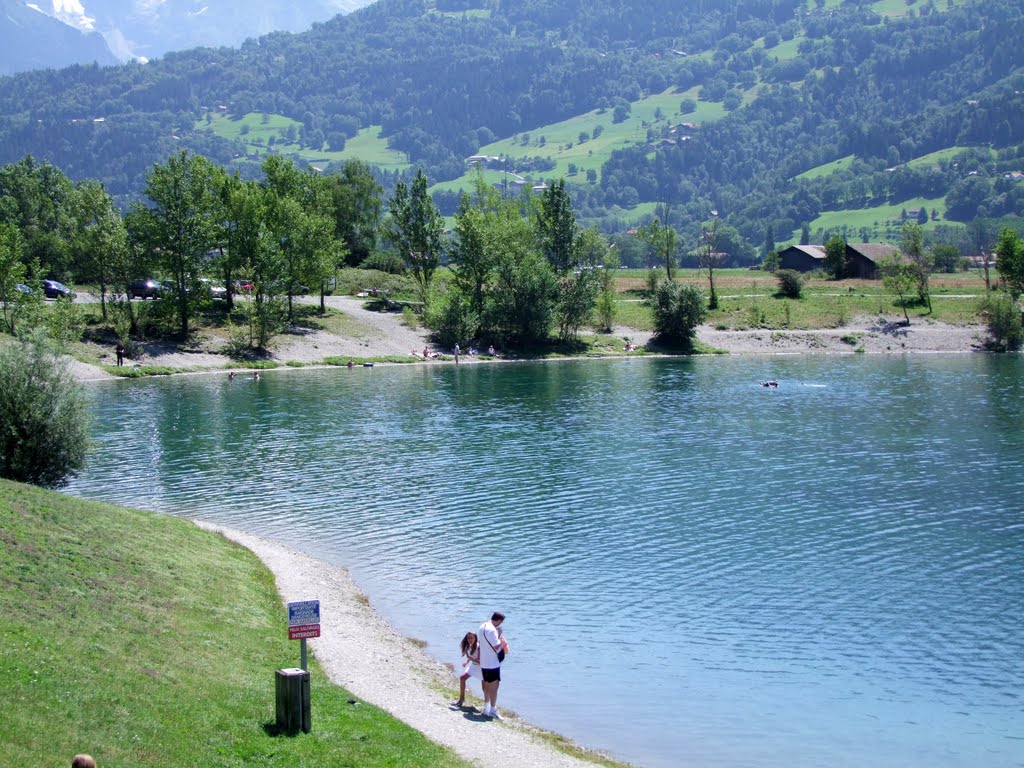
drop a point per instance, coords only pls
(696, 570)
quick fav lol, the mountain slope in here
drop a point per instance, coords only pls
(146, 29)
(783, 87)
(30, 39)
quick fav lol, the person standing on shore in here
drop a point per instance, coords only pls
(492, 652)
(470, 648)
(457, 353)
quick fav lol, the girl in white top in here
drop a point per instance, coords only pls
(471, 666)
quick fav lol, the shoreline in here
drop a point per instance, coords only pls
(360, 651)
(865, 335)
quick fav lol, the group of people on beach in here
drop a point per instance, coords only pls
(483, 652)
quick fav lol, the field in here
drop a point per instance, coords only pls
(748, 299)
(144, 641)
(261, 133)
(883, 221)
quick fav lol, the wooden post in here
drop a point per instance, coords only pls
(293, 701)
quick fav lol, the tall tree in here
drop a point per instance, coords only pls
(663, 239)
(556, 228)
(1010, 261)
(36, 197)
(416, 229)
(100, 240)
(16, 301)
(356, 199)
(912, 246)
(835, 257)
(182, 224)
(709, 258)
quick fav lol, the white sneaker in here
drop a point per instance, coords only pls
(495, 715)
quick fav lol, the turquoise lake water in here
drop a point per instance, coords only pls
(696, 570)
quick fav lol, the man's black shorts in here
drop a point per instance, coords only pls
(491, 675)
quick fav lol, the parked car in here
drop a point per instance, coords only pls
(54, 290)
(145, 289)
(244, 286)
(216, 290)
(23, 288)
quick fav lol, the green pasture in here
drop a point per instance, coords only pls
(561, 140)
(932, 159)
(883, 220)
(786, 49)
(145, 641)
(827, 169)
(255, 130)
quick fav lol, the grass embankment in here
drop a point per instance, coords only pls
(146, 641)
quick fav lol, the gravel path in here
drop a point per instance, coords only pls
(363, 653)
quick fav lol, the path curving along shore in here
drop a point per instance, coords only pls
(359, 650)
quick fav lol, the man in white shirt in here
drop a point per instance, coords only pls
(491, 641)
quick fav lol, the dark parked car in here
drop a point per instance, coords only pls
(54, 290)
(145, 289)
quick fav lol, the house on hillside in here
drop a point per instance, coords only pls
(802, 258)
(861, 258)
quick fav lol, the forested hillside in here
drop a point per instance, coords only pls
(759, 95)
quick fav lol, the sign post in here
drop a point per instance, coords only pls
(303, 622)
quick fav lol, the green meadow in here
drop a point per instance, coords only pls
(260, 133)
(884, 221)
(144, 641)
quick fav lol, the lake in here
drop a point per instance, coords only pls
(696, 570)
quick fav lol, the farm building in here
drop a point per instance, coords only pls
(802, 258)
(861, 258)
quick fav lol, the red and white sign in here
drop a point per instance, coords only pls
(303, 631)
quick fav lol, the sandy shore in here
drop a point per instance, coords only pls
(363, 653)
(380, 334)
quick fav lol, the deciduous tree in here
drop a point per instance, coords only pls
(416, 229)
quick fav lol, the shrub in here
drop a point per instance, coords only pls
(452, 319)
(409, 318)
(791, 285)
(678, 310)
(384, 261)
(43, 424)
(1005, 329)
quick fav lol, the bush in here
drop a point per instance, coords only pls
(43, 424)
(1005, 328)
(791, 285)
(452, 319)
(384, 261)
(678, 310)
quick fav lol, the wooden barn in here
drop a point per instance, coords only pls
(802, 258)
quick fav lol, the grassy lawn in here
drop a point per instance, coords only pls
(144, 641)
(747, 300)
